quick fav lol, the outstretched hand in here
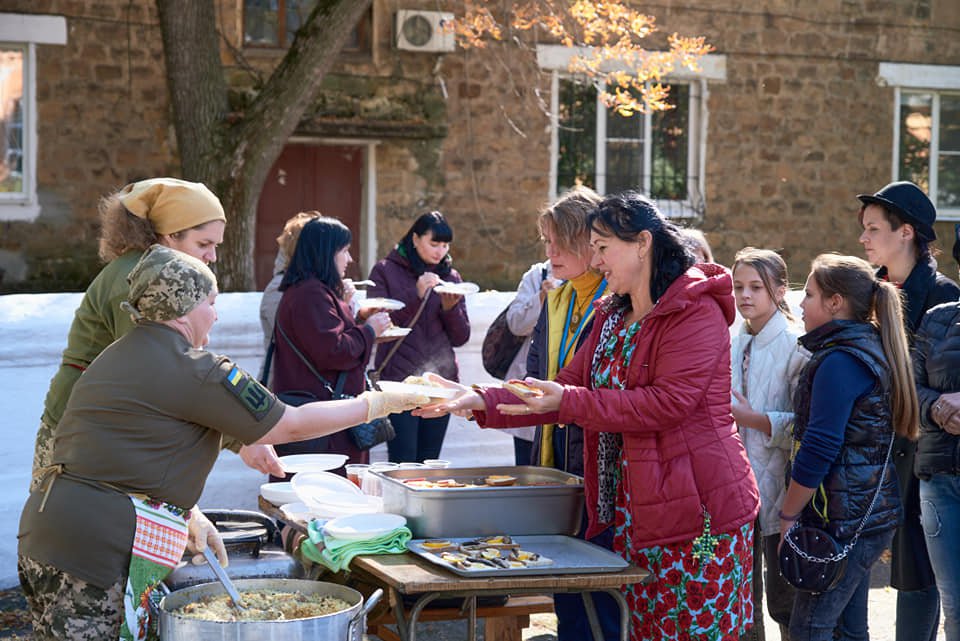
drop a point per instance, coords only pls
(548, 402)
(463, 404)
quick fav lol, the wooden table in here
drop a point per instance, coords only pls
(410, 575)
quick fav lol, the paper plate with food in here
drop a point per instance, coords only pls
(521, 389)
(419, 385)
(382, 303)
(394, 332)
(463, 289)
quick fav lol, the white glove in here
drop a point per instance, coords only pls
(201, 533)
(384, 403)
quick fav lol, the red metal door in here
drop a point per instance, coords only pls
(322, 177)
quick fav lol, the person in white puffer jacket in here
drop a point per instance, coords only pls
(766, 362)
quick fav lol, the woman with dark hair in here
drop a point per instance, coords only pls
(897, 231)
(420, 262)
(315, 320)
(663, 463)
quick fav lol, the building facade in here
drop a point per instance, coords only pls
(801, 106)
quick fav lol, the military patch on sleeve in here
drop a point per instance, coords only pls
(255, 397)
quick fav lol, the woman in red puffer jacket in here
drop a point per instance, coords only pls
(663, 462)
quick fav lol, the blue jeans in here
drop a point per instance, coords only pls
(843, 609)
(417, 438)
(918, 614)
(940, 513)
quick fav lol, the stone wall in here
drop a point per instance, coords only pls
(799, 127)
(102, 122)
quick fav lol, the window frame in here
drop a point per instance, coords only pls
(917, 79)
(25, 32)
(556, 59)
(364, 29)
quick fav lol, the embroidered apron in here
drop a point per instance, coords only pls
(158, 545)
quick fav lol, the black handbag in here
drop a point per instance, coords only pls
(364, 435)
(811, 560)
(500, 346)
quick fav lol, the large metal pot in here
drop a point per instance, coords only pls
(346, 625)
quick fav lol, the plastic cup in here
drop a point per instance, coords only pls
(355, 472)
(435, 463)
(411, 466)
(370, 483)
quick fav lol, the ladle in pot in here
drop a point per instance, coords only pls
(225, 581)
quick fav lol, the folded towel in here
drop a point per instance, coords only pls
(336, 554)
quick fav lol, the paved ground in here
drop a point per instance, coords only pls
(14, 625)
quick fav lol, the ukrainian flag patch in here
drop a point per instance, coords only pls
(252, 395)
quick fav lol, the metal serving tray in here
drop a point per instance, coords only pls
(543, 501)
(569, 556)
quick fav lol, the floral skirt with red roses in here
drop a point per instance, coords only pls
(689, 599)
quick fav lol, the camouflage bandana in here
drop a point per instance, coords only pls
(166, 284)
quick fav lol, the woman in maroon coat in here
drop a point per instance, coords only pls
(663, 463)
(421, 261)
(317, 320)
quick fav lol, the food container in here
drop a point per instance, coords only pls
(346, 625)
(542, 501)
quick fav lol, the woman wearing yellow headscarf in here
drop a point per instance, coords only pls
(565, 320)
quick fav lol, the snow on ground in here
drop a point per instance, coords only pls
(33, 330)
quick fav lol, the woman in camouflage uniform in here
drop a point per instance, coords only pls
(116, 508)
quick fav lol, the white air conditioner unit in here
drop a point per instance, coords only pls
(424, 31)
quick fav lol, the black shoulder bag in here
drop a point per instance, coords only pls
(813, 561)
(364, 435)
(500, 345)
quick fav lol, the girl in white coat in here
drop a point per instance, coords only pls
(766, 362)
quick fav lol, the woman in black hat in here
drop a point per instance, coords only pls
(897, 230)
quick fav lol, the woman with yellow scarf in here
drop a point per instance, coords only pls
(565, 320)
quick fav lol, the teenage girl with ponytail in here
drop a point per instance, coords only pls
(854, 395)
(766, 362)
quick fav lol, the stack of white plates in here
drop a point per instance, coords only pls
(278, 493)
(329, 495)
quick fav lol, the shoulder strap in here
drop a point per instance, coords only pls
(842, 554)
(334, 393)
(396, 345)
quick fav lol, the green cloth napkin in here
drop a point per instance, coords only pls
(336, 554)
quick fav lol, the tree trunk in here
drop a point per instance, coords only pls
(234, 159)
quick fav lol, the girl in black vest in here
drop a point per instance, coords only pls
(856, 392)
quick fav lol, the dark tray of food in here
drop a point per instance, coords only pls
(502, 555)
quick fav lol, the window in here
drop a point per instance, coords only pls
(929, 146)
(19, 35)
(660, 154)
(655, 153)
(926, 128)
(262, 20)
(11, 122)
